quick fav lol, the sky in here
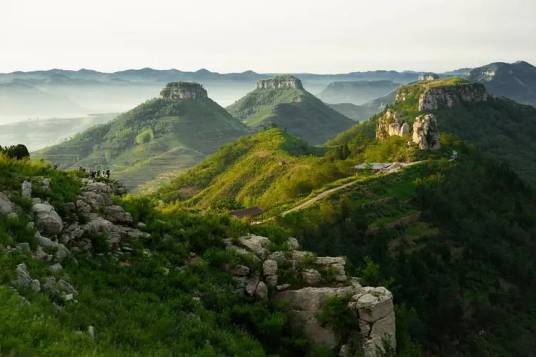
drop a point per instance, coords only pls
(334, 36)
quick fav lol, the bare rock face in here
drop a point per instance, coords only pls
(305, 282)
(183, 90)
(449, 97)
(280, 82)
(428, 77)
(391, 124)
(426, 132)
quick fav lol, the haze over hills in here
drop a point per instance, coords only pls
(160, 136)
(284, 102)
(356, 92)
(366, 110)
(516, 81)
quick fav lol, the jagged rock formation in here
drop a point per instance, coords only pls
(391, 124)
(306, 283)
(428, 77)
(280, 82)
(92, 214)
(447, 97)
(426, 132)
(183, 90)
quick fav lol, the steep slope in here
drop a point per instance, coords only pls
(356, 92)
(363, 112)
(516, 81)
(166, 134)
(283, 102)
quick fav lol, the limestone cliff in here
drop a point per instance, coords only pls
(183, 90)
(448, 97)
(391, 124)
(280, 82)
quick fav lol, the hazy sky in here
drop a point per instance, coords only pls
(269, 36)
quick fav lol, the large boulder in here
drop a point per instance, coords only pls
(24, 280)
(426, 132)
(48, 222)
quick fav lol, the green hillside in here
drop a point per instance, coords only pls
(157, 138)
(283, 102)
(497, 126)
(265, 170)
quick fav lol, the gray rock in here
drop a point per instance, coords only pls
(269, 267)
(6, 206)
(26, 189)
(116, 214)
(47, 220)
(24, 280)
(426, 132)
(261, 291)
(311, 277)
(256, 244)
(56, 268)
(24, 247)
(293, 243)
(251, 285)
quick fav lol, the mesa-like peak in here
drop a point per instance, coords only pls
(183, 90)
(280, 82)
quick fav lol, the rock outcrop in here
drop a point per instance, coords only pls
(450, 96)
(428, 77)
(391, 124)
(280, 82)
(426, 132)
(306, 283)
(47, 220)
(183, 90)
(6, 206)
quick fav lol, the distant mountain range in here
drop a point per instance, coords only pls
(356, 92)
(516, 81)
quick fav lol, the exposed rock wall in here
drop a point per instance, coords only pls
(391, 124)
(306, 282)
(183, 90)
(426, 132)
(280, 82)
(449, 97)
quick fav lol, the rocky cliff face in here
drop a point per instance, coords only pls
(448, 97)
(183, 90)
(280, 82)
(306, 282)
(426, 132)
(391, 124)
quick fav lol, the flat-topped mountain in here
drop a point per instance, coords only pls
(356, 92)
(283, 102)
(183, 90)
(516, 81)
(158, 137)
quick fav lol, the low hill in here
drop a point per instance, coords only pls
(265, 169)
(364, 111)
(283, 102)
(516, 81)
(356, 92)
(160, 136)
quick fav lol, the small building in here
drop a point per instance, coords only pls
(375, 166)
(247, 213)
